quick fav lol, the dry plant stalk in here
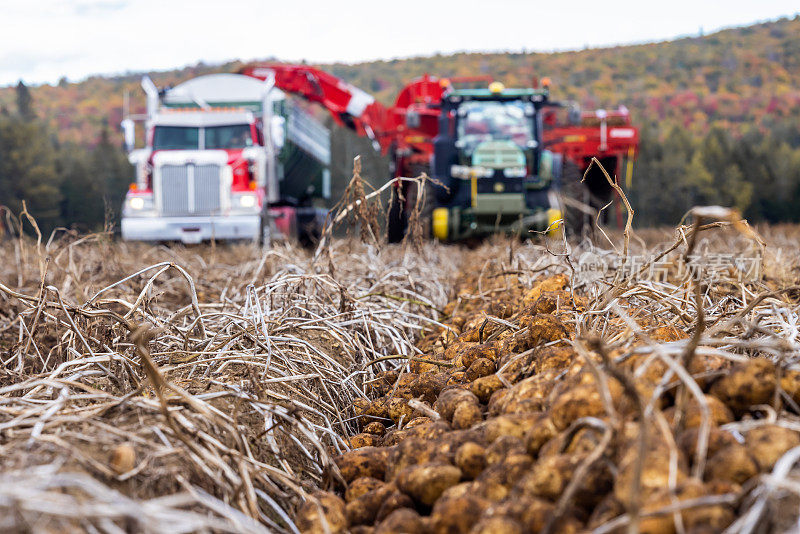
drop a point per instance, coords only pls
(238, 390)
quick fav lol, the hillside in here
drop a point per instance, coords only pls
(719, 115)
(740, 76)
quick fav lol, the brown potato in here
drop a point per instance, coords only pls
(508, 472)
(790, 383)
(655, 474)
(412, 451)
(428, 386)
(509, 425)
(528, 395)
(480, 368)
(703, 364)
(450, 398)
(517, 364)
(383, 382)
(767, 443)
(471, 459)
(715, 516)
(491, 489)
(399, 410)
(363, 440)
(123, 458)
(484, 387)
(457, 515)
(448, 443)
(395, 501)
(734, 464)
(459, 490)
(540, 432)
(426, 482)
(550, 302)
(501, 309)
(460, 347)
(555, 359)
(402, 520)
(364, 509)
(551, 283)
(375, 428)
(360, 486)
(497, 525)
(717, 440)
(583, 400)
(718, 413)
(466, 415)
(531, 512)
(549, 477)
(543, 328)
(403, 387)
(322, 512)
(418, 421)
(484, 351)
(747, 384)
(457, 378)
(367, 412)
(363, 462)
(503, 447)
(583, 441)
(423, 428)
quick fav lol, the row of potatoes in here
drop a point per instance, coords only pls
(502, 417)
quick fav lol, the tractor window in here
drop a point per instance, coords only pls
(227, 137)
(175, 138)
(494, 121)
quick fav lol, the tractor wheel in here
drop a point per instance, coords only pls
(426, 207)
(397, 219)
(578, 213)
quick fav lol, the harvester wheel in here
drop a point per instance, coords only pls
(397, 219)
(440, 224)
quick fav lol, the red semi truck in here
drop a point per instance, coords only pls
(507, 178)
(226, 157)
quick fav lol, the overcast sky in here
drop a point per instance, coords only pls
(43, 40)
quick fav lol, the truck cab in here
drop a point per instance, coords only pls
(215, 164)
(494, 172)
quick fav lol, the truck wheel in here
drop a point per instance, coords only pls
(397, 219)
(309, 235)
(265, 235)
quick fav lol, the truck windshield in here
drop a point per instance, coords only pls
(175, 138)
(230, 136)
(494, 121)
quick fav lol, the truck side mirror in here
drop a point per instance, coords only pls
(129, 134)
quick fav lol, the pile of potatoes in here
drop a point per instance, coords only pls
(502, 429)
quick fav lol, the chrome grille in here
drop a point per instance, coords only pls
(498, 155)
(190, 189)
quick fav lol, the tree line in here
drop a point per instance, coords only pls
(757, 172)
(63, 185)
(82, 187)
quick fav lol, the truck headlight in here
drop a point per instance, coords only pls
(515, 172)
(248, 201)
(466, 172)
(137, 203)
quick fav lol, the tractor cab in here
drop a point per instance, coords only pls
(489, 160)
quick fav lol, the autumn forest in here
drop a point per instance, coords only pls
(719, 116)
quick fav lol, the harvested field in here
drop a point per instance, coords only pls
(418, 388)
